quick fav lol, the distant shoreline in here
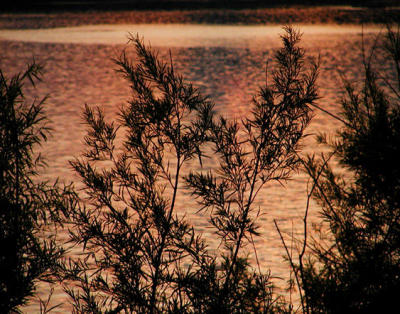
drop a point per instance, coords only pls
(266, 16)
(51, 6)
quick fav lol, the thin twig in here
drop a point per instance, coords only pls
(291, 264)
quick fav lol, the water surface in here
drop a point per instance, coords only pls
(178, 35)
(225, 62)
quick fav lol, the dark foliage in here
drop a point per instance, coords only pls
(26, 205)
(130, 229)
(139, 255)
(357, 270)
(259, 150)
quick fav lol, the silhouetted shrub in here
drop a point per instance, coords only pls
(139, 255)
(355, 267)
(26, 205)
(261, 149)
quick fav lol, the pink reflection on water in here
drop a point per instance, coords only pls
(226, 62)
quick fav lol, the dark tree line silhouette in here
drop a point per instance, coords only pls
(104, 5)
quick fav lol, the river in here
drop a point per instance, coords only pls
(223, 61)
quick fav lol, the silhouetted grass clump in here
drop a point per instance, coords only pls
(27, 206)
(355, 266)
(139, 255)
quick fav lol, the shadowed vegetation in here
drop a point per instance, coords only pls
(27, 206)
(141, 255)
(354, 266)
